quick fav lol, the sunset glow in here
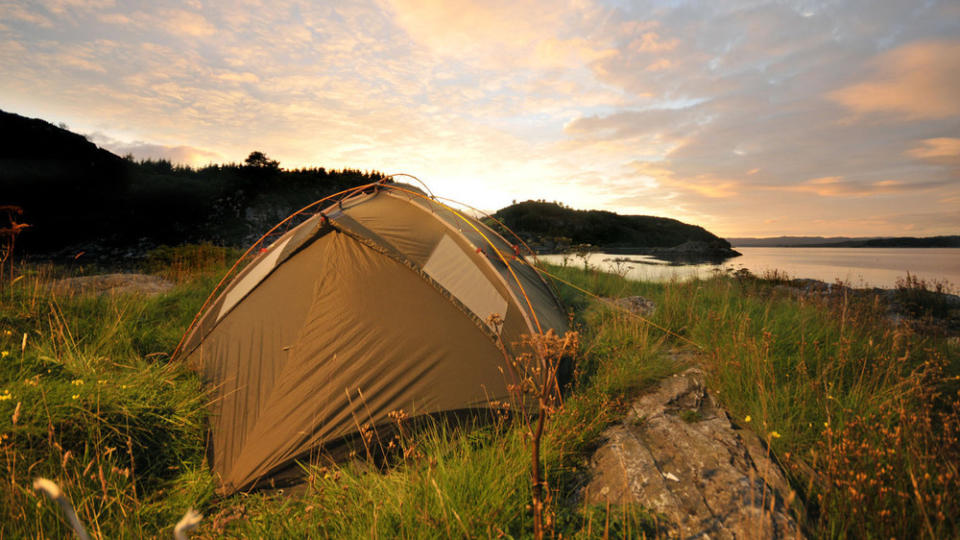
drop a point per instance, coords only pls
(748, 118)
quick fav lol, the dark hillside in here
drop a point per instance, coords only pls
(553, 225)
(79, 197)
(66, 184)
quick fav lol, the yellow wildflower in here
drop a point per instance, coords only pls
(747, 419)
(75, 396)
(4, 354)
(5, 395)
(77, 382)
(774, 435)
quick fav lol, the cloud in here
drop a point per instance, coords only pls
(915, 81)
(836, 186)
(179, 22)
(652, 42)
(707, 185)
(185, 155)
(245, 77)
(501, 33)
(114, 18)
(945, 150)
(663, 122)
(659, 65)
(15, 11)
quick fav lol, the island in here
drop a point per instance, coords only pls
(551, 227)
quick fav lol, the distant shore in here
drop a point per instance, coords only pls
(952, 241)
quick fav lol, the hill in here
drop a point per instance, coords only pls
(79, 197)
(842, 241)
(551, 227)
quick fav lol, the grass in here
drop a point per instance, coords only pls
(862, 414)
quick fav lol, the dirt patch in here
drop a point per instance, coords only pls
(112, 284)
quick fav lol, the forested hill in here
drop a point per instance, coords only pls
(79, 197)
(552, 226)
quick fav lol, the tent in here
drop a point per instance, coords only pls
(386, 301)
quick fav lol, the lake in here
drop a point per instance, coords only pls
(858, 267)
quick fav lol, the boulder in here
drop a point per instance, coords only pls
(678, 455)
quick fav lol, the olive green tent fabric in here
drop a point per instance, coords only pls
(382, 303)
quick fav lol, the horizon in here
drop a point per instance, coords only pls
(752, 120)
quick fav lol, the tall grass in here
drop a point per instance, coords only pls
(861, 412)
(88, 398)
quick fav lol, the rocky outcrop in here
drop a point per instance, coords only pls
(695, 251)
(637, 305)
(678, 455)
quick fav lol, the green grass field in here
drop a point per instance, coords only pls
(863, 415)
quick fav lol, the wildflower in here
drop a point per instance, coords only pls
(774, 435)
(75, 396)
(4, 354)
(101, 381)
(5, 395)
(747, 419)
(77, 382)
(123, 387)
(8, 333)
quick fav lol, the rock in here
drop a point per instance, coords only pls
(112, 284)
(678, 455)
(634, 304)
(696, 250)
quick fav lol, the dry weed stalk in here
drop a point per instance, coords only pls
(537, 368)
(8, 237)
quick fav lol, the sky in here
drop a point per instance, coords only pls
(749, 118)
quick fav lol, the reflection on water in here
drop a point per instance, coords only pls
(859, 267)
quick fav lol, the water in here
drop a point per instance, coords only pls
(859, 267)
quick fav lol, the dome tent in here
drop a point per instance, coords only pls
(385, 301)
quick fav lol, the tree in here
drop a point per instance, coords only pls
(259, 160)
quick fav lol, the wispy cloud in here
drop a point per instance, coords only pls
(916, 81)
(945, 150)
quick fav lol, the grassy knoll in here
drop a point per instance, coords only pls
(863, 416)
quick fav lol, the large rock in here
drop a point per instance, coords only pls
(678, 455)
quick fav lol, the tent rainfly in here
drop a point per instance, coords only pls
(382, 302)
